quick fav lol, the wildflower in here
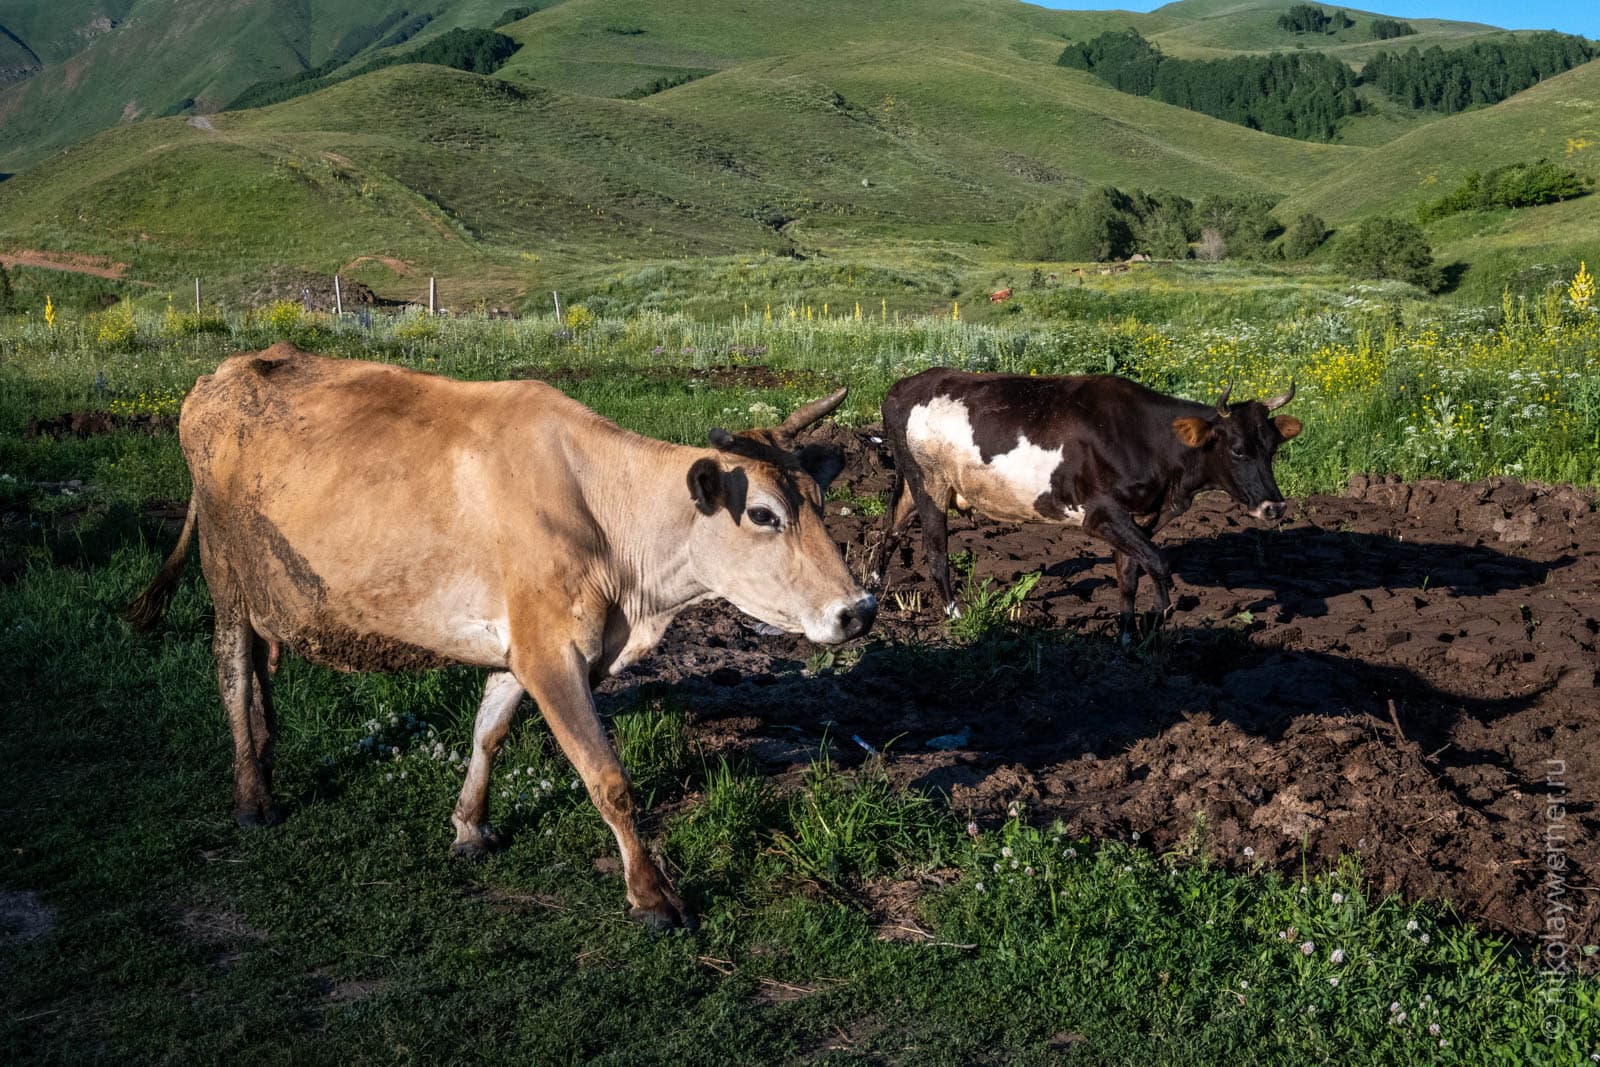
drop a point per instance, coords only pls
(1423, 938)
(980, 887)
(1411, 926)
(997, 867)
(1248, 851)
(1334, 981)
(1307, 947)
(1244, 985)
(1394, 1007)
(1338, 898)
(1006, 852)
(1136, 837)
(1071, 853)
(972, 829)
(1433, 1028)
(1028, 871)
(1336, 957)
(545, 784)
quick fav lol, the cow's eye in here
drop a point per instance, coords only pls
(1237, 453)
(764, 517)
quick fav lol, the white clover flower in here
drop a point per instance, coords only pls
(1423, 938)
(1127, 869)
(1013, 865)
(1071, 853)
(1136, 836)
(1244, 985)
(1334, 980)
(574, 784)
(972, 829)
(1248, 851)
(1338, 898)
(1307, 947)
(1028, 871)
(1006, 851)
(1336, 957)
(545, 784)
(980, 887)
(996, 866)
(1433, 1028)
(1401, 1018)
(1411, 926)
(1394, 1007)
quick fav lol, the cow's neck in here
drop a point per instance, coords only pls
(647, 513)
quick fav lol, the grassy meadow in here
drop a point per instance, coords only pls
(349, 935)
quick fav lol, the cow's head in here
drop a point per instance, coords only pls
(759, 540)
(1237, 443)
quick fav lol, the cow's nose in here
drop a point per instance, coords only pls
(1273, 510)
(856, 619)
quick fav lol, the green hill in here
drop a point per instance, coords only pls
(1206, 29)
(808, 126)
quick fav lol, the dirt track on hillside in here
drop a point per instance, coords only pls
(1263, 707)
(71, 262)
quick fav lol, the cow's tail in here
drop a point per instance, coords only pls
(152, 604)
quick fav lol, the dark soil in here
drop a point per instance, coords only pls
(1404, 672)
(94, 422)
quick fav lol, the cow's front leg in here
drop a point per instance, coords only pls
(1134, 551)
(501, 694)
(558, 679)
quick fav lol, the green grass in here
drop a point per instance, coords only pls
(348, 934)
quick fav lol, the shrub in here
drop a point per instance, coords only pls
(1390, 247)
(1388, 29)
(117, 330)
(283, 316)
(1304, 236)
(515, 14)
(1513, 185)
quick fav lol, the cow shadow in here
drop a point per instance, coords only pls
(1302, 568)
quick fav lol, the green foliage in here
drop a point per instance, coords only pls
(1300, 94)
(515, 14)
(986, 608)
(1513, 185)
(1304, 236)
(1106, 224)
(1388, 247)
(858, 826)
(1388, 29)
(476, 51)
(8, 295)
(663, 83)
(1308, 18)
(1484, 72)
(653, 745)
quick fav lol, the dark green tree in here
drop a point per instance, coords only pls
(1389, 247)
(1304, 236)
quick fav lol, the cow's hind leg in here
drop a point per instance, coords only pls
(559, 682)
(249, 707)
(501, 695)
(1127, 589)
(932, 504)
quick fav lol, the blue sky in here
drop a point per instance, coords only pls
(1569, 16)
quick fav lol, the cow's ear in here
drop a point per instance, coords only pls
(1288, 426)
(705, 485)
(822, 462)
(1192, 431)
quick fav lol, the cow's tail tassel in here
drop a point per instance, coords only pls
(151, 605)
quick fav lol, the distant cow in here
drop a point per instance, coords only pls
(1000, 296)
(377, 519)
(1097, 451)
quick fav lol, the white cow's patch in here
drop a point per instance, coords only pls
(1007, 487)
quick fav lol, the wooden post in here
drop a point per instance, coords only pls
(557, 296)
(433, 295)
(338, 297)
(197, 296)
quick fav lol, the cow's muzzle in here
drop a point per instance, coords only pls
(1270, 510)
(857, 619)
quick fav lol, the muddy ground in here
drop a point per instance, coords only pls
(1263, 707)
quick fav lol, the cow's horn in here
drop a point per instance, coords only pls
(1222, 401)
(1278, 401)
(809, 413)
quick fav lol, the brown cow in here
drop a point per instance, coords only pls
(377, 519)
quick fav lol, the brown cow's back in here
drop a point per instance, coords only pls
(354, 502)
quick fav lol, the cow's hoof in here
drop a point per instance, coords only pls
(257, 816)
(669, 913)
(475, 849)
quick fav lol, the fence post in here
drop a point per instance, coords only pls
(197, 296)
(557, 296)
(338, 297)
(433, 295)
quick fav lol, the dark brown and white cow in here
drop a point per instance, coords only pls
(1095, 451)
(376, 519)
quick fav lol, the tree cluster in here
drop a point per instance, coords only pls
(477, 51)
(1108, 223)
(1513, 185)
(1389, 29)
(1484, 72)
(1299, 94)
(1308, 18)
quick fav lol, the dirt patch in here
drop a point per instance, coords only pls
(222, 932)
(314, 291)
(23, 917)
(1259, 719)
(399, 266)
(722, 376)
(72, 262)
(95, 422)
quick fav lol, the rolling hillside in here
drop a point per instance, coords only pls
(806, 126)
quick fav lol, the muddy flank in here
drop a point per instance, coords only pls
(1258, 723)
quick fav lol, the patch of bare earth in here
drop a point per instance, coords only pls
(24, 918)
(1405, 672)
(72, 262)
